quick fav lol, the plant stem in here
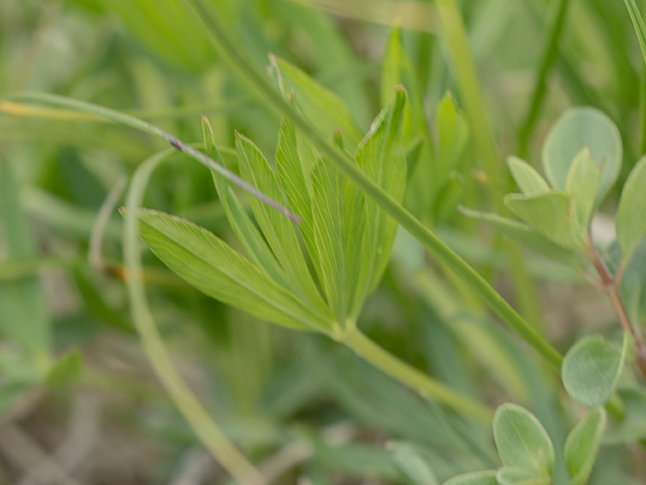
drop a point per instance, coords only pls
(413, 378)
(549, 56)
(343, 162)
(611, 288)
(127, 120)
(203, 426)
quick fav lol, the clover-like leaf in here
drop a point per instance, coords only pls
(631, 219)
(582, 182)
(526, 177)
(591, 369)
(577, 129)
(487, 477)
(522, 441)
(527, 236)
(520, 476)
(550, 213)
(582, 445)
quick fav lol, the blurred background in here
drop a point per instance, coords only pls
(300, 407)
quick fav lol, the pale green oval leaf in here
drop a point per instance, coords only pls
(212, 267)
(550, 213)
(526, 177)
(487, 477)
(579, 128)
(582, 445)
(520, 476)
(522, 441)
(582, 182)
(591, 369)
(631, 215)
(527, 236)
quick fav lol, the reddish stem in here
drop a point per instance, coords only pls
(611, 288)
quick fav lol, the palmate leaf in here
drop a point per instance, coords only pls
(369, 243)
(212, 267)
(240, 221)
(277, 229)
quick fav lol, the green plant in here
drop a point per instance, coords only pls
(304, 228)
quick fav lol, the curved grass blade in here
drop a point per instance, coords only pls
(101, 112)
(203, 426)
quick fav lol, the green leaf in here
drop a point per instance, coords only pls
(66, 370)
(591, 369)
(212, 267)
(329, 235)
(520, 476)
(277, 229)
(582, 445)
(577, 129)
(550, 213)
(631, 222)
(322, 107)
(487, 477)
(522, 441)
(527, 179)
(582, 182)
(527, 236)
(239, 219)
(295, 159)
(370, 231)
(412, 464)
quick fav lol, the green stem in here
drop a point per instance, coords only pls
(412, 377)
(474, 103)
(256, 79)
(117, 117)
(203, 426)
(549, 56)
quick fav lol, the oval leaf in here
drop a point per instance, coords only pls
(522, 441)
(582, 182)
(631, 223)
(582, 445)
(591, 369)
(527, 179)
(550, 213)
(487, 477)
(520, 476)
(577, 129)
